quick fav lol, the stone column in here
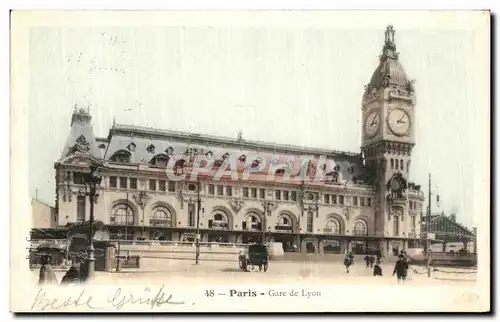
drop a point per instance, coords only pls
(320, 247)
(303, 246)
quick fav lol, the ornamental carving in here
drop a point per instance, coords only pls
(236, 205)
(397, 186)
(82, 145)
(141, 199)
(347, 212)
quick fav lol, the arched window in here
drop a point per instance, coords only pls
(360, 228)
(121, 156)
(401, 164)
(284, 223)
(122, 215)
(332, 226)
(160, 217)
(219, 221)
(252, 222)
(160, 160)
(392, 163)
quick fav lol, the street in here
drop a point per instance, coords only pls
(222, 272)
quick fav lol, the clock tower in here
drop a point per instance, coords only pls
(388, 113)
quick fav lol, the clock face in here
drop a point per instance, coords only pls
(372, 124)
(399, 122)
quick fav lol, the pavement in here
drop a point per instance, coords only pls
(215, 272)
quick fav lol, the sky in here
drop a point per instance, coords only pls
(291, 84)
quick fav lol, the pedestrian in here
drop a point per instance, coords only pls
(377, 269)
(73, 275)
(47, 275)
(401, 269)
(351, 257)
(367, 260)
(347, 263)
(372, 260)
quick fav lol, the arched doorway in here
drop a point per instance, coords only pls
(219, 223)
(285, 229)
(161, 218)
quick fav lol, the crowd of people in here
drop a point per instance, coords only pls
(374, 261)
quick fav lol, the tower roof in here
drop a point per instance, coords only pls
(81, 139)
(390, 72)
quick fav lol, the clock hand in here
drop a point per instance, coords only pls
(373, 121)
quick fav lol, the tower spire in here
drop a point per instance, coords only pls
(389, 50)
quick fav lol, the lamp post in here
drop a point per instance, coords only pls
(93, 179)
(118, 251)
(198, 203)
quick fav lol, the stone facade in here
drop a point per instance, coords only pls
(361, 200)
(43, 215)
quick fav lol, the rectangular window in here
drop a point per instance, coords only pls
(245, 192)
(171, 186)
(334, 199)
(220, 190)
(80, 208)
(341, 200)
(229, 191)
(79, 177)
(191, 215)
(396, 225)
(162, 185)
(362, 201)
(293, 196)
(326, 198)
(123, 182)
(369, 202)
(310, 220)
(152, 184)
(254, 192)
(413, 224)
(354, 201)
(211, 189)
(277, 194)
(262, 193)
(112, 182)
(133, 183)
(285, 195)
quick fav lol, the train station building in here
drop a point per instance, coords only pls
(311, 199)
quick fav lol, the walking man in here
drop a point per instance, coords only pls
(347, 263)
(401, 269)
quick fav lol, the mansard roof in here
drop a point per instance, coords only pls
(142, 144)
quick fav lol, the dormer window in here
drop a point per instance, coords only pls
(131, 147)
(225, 156)
(102, 146)
(337, 168)
(255, 163)
(332, 177)
(350, 169)
(209, 154)
(151, 149)
(169, 151)
(243, 158)
(160, 160)
(121, 156)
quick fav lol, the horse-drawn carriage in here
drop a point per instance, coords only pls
(255, 255)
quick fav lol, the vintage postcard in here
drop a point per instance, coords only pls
(250, 161)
